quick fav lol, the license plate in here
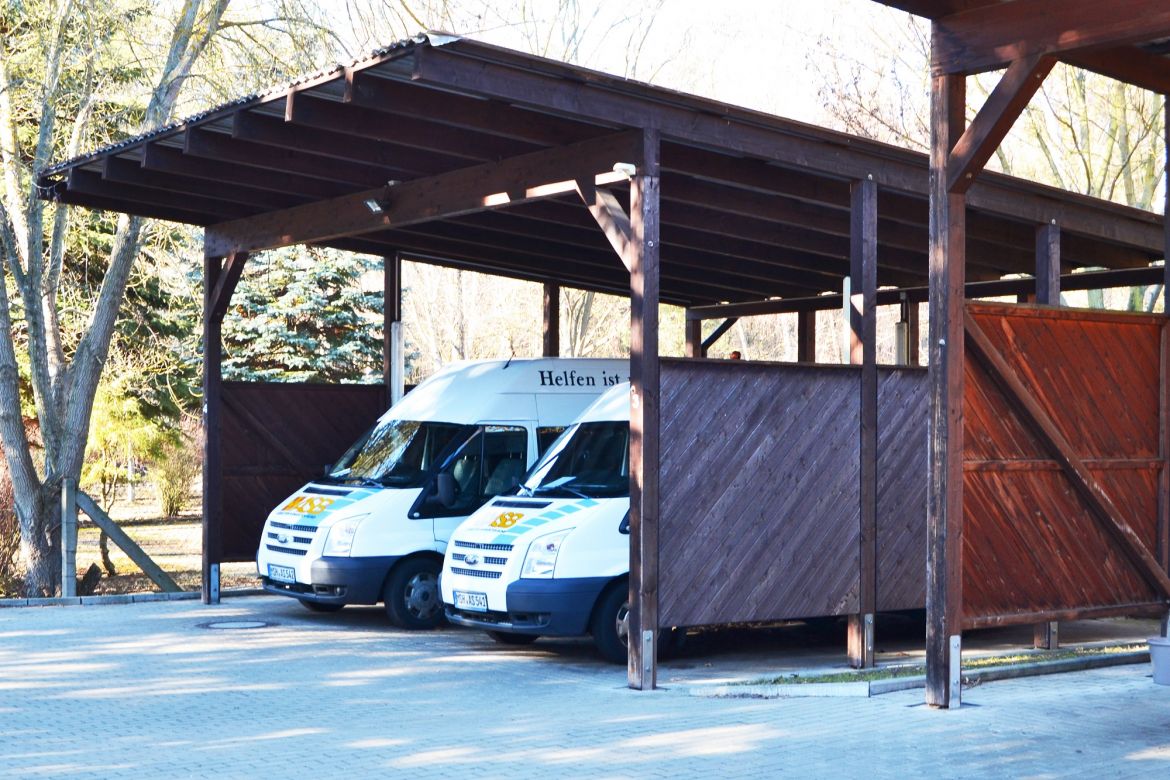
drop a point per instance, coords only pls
(476, 602)
(281, 573)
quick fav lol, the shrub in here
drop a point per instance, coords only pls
(11, 576)
(175, 466)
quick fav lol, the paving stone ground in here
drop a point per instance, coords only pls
(152, 690)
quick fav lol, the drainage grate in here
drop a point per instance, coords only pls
(235, 625)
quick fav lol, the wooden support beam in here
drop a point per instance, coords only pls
(1048, 264)
(212, 422)
(643, 262)
(863, 352)
(515, 180)
(1127, 63)
(393, 359)
(119, 537)
(1100, 506)
(225, 286)
(610, 217)
(694, 339)
(994, 120)
(551, 333)
(719, 332)
(806, 337)
(991, 36)
(221, 147)
(945, 453)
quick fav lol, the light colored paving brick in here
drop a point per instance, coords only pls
(143, 691)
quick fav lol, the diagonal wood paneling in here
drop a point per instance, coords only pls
(1031, 546)
(276, 437)
(759, 485)
(903, 414)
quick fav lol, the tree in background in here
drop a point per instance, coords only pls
(300, 315)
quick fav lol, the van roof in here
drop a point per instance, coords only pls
(613, 406)
(473, 391)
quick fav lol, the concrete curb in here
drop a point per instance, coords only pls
(123, 598)
(867, 688)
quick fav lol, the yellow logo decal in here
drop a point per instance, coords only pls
(507, 520)
(307, 506)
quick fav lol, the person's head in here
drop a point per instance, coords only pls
(735, 355)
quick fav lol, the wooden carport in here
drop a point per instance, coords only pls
(471, 156)
(1090, 461)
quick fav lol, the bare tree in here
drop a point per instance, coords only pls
(64, 378)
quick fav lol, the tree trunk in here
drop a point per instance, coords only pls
(40, 544)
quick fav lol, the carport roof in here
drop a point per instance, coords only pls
(753, 206)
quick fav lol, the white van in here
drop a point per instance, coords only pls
(375, 527)
(553, 558)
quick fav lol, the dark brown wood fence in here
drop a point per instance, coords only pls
(1065, 481)
(276, 437)
(760, 487)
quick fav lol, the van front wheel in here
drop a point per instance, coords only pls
(411, 595)
(611, 624)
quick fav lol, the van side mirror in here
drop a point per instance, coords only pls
(445, 489)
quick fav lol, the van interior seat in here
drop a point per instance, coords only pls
(504, 476)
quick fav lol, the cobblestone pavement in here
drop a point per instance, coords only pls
(158, 690)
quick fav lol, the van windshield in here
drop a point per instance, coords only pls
(398, 453)
(589, 459)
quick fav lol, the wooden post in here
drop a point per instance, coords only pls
(945, 455)
(913, 334)
(863, 352)
(643, 259)
(212, 408)
(1046, 636)
(1048, 264)
(552, 319)
(68, 538)
(806, 337)
(393, 360)
(1164, 395)
(694, 335)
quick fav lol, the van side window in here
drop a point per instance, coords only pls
(492, 462)
(546, 436)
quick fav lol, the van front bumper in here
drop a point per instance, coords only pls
(336, 580)
(544, 607)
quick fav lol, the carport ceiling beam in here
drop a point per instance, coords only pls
(891, 169)
(991, 36)
(533, 176)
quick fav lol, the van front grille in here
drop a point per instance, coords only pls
(487, 575)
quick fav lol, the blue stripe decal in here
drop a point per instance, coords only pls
(529, 523)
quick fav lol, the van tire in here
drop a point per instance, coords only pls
(611, 623)
(317, 606)
(508, 638)
(411, 595)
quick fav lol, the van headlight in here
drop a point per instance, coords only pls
(542, 555)
(340, 538)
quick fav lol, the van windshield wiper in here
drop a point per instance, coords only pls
(554, 488)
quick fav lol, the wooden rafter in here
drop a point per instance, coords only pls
(1100, 506)
(991, 36)
(515, 180)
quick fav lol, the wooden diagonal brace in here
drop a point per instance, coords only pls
(610, 216)
(1100, 506)
(225, 286)
(994, 120)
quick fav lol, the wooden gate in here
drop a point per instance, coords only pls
(276, 437)
(1065, 484)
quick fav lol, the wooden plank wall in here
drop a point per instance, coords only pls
(276, 437)
(1032, 549)
(759, 491)
(903, 416)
